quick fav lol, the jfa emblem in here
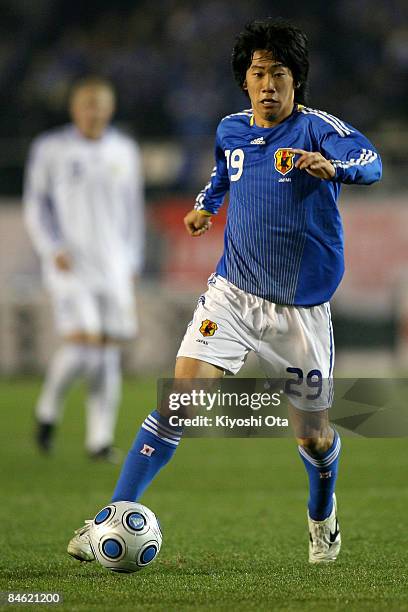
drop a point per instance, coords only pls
(147, 450)
(284, 160)
(325, 474)
(208, 328)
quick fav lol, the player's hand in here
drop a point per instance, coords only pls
(315, 164)
(196, 223)
(62, 261)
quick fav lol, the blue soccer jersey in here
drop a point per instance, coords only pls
(283, 237)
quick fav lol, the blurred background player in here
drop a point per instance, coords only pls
(83, 201)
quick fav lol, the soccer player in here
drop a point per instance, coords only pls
(283, 164)
(84, 211)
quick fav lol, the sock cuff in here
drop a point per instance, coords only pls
(329, 457)
(160, 427)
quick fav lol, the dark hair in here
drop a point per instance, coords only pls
(91, 81)
(287, 44)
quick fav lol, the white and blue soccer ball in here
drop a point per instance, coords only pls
(125, 537)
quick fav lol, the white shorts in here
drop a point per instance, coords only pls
(292, 342)
(78, 308)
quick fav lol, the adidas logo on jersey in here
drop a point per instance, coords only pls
(258, 141)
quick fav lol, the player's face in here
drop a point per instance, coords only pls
(91, 109)
(270, 87)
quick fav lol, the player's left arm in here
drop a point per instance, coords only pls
(342, 154)
(315, 164)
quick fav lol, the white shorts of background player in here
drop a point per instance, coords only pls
(80, 307)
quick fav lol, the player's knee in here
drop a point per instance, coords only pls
(316, 445)
(81, 337)
(178, 397)
(185, 385)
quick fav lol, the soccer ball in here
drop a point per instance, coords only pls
(125, 537)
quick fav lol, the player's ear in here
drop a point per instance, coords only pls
(244, 85)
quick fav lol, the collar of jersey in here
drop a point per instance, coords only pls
(296, 108)
(78, 134)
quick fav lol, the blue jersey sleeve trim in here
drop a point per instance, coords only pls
(351, 153)
(211, 197)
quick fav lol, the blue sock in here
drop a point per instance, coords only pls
(153, 447)
(322, 473)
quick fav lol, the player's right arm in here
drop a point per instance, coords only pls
(210, 199)
(39, 211)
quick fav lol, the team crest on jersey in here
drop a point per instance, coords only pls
(208, 328)
(284, 160)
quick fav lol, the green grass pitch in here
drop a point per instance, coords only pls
(232, 512)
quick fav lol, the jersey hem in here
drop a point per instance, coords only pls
(272, 301)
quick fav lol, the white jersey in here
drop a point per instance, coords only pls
(85, 197)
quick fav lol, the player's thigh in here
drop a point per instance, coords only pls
(187, 367)
(118, 314)
(76, 311)
(299, 348)
(217, 335)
